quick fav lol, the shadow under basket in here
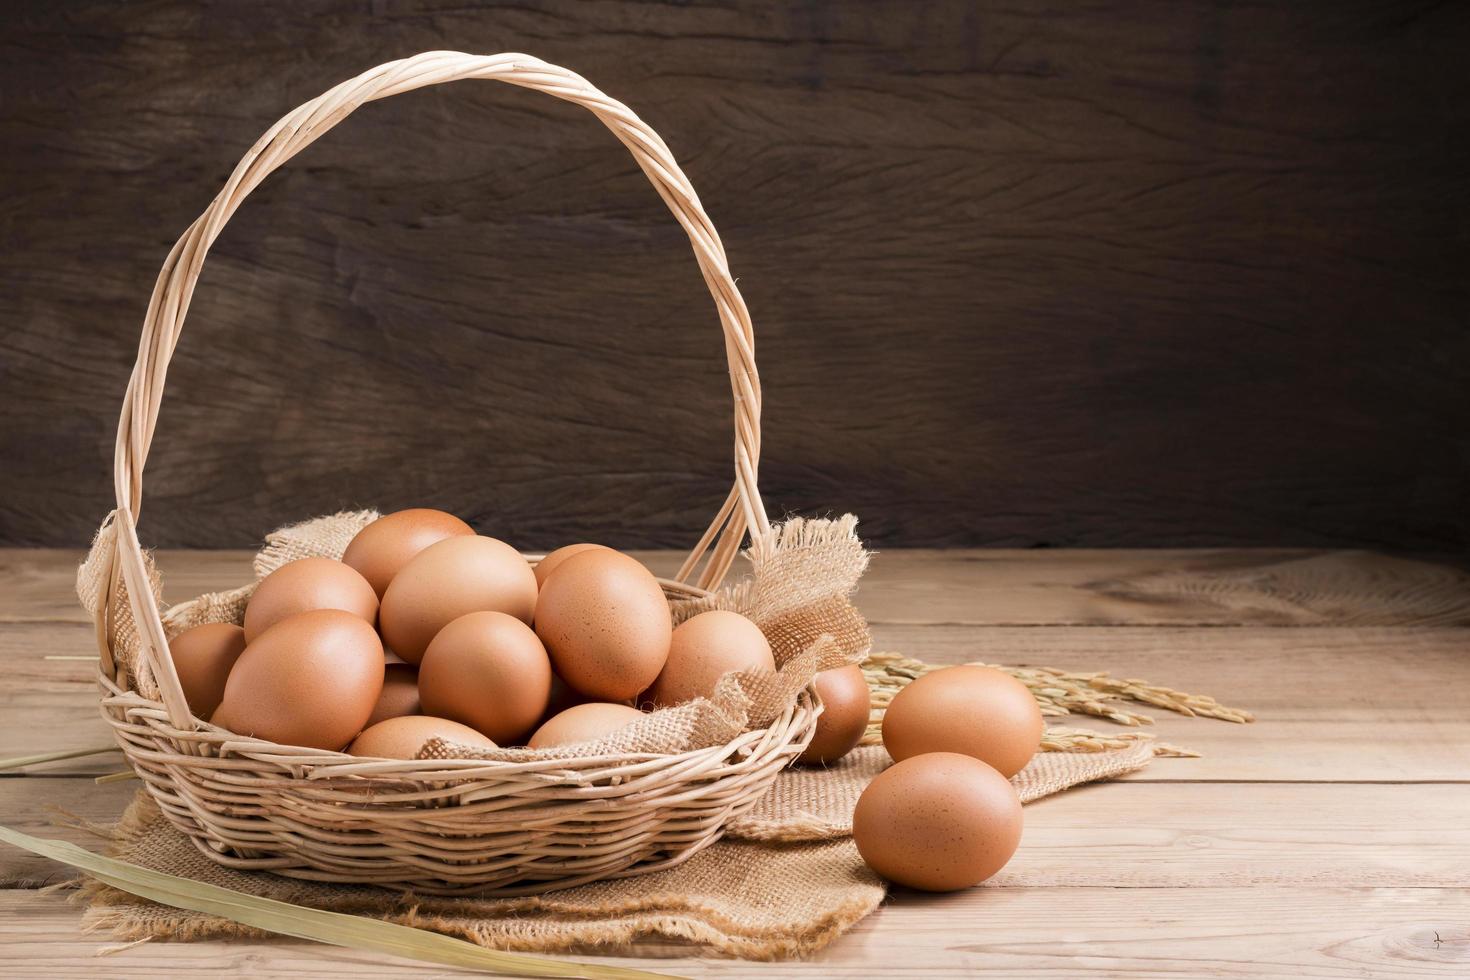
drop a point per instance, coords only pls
(461, 825)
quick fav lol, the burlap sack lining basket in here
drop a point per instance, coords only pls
(441, 826)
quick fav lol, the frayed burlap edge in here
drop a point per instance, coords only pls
(817, 803)
(591, 917)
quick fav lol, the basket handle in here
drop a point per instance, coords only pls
(742, 509)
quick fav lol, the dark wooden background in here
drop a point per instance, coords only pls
(1123, 273)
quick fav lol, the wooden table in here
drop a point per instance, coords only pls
(1329, 839)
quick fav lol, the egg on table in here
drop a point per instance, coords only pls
(312, 679)
(605, 622)
(705, 648)
(461, 574)
(305, 584)
(380, 550)
(938, 822)
(977, 711)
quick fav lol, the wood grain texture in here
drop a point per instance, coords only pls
(990, 587)
(1130, 273)
(1316, 694)
(1330, 839)
(1100, 836)
(1334, 703)
(1266, 933)
(956, 606)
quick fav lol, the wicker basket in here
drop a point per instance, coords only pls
(443, 826)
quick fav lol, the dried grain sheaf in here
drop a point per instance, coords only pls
(1061, 693)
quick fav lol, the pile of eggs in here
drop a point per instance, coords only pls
(945, 816)
(426, 630)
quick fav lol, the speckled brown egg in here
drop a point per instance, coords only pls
(461, 574)
(553, 561)
(846, 704)
(403, 737)
(605, 622)
(306, 584)
(584, 723)
(705, 648)
(489, 671)
(311, 679)
(976, 711)
(400, 694)
(202, 658)
(382, 548)
(938, 822)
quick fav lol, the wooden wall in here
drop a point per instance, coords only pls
(1123, 273)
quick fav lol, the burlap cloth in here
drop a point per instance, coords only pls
(786, 879)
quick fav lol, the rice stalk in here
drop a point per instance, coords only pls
(1061, 693)
(301, 922)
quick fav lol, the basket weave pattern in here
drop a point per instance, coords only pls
(445, 825)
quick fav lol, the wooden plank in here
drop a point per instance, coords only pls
(41, 582)
(46, 806)
(1110, 835)
(1327, 854)
(1165, 933)
(1332, 704)
(50, 705)
(980, 587)
(1235, 587)
(1173, 933)
(1028, 273)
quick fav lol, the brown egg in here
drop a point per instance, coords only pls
(605, 622)
(938, 822)
(552, 561)
(403, 737)
(306, 584)
(488, 670)
(977, 711)
(400, 694)
(202, 658)
(584, 723)
(461, 574)
(705, 648)
(312, 679)
(846, 704)
(392, 541)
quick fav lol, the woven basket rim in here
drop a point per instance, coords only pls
(233, 745)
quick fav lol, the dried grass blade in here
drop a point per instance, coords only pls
(31, 760)
(120, 776)
(283, 918)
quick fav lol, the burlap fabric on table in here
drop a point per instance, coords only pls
(786, 880)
